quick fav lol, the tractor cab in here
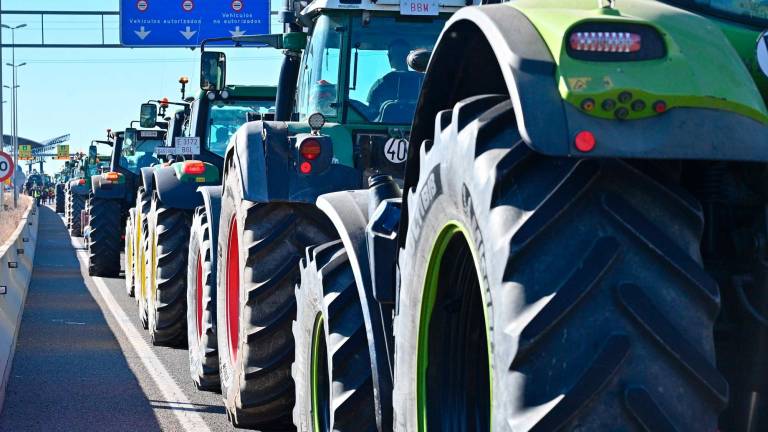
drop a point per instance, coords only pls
(361, 69)
(134, 149)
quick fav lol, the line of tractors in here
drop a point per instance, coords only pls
(536, 215)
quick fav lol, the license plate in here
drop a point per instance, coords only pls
(419, 7)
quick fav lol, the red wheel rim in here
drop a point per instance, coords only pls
(199, 282)
(233, 290)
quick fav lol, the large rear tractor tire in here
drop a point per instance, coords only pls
(260, 246)
(129, 253)
(332, 371)
(167, 283)
(76, 208)
(68, 209)
(201, 305)
(143, 207)
(60, 198)
(541, 293)
(104, 237)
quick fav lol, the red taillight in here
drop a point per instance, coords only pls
(194, 167)
(613, 42)
(81, 181)
(305, 167)
(112, 176)
(660, 107)
(310, 149)
(584, 141)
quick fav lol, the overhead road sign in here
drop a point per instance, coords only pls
(62, 152)
(25, 152)
(186, 23)
(6, 166)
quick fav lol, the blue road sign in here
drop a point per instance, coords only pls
(186, 23)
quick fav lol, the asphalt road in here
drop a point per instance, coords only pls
(83, 362)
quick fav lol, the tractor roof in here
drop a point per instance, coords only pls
(380, 5)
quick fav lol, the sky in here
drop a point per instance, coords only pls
(83, 92)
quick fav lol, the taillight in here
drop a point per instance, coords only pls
(81, 181)
(305, 167)
(112, 176)
(193, 167)
(599, 41)
(310, 149)
(584, 141)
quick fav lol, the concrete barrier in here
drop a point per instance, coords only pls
(16, 258)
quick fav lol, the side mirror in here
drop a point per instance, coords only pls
(148, 115)
(213, 70)
(92, 153)
(418, 59)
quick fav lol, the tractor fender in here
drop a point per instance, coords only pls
(148, 179)
(348, 211)
(76, 188)
(212, 206)
(503, 42)
(173, 192)
(261, 148)
(106, 190)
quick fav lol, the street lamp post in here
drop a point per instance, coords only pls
(15, 107)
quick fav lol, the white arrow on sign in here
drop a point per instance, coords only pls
(188, 33)
(142, 33)
(237, 32)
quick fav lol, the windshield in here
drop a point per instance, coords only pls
(226, 116)
(753, 12)
(382, 88)
(138, 154)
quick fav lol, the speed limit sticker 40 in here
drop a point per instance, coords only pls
(6, 166)
(396, 150)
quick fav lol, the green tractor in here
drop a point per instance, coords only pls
(582, 240)
(344, 106)
(77, 189)
(210, 119)
(113, 194)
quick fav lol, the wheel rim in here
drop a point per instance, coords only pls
(453, 393)
(199, 283)
(319, 386)
(233, 289)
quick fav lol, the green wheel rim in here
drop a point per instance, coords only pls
(319, 386)
(447, 235)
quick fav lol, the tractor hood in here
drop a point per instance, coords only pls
(688, 62)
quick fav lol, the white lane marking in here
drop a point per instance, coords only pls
(175, 398)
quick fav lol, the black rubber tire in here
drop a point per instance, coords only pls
(201, 275)
(68, 209)
(60, 198)
(104, 237)
(591, 290)
(257, 387)
(129, 247)
(77, 205)
(143, 207)
(328, 291)
(167, 283)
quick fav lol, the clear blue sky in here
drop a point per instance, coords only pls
(85, 91)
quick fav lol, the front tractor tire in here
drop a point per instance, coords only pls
(77, 205)
(60, 198)
(542, 293)
(201, 305)
(104, 242)
(167, 274)
(332, 371)
(141, 269)
(260, 246)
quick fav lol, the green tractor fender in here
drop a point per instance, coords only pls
(78, 188)
(264, 154)
(508, 49)
(108, 188)
(176, 185)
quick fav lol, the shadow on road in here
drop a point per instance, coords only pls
(69, 372)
